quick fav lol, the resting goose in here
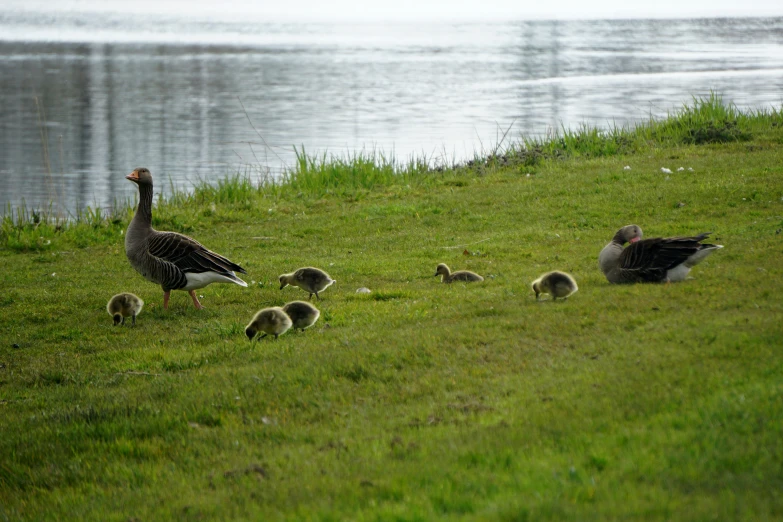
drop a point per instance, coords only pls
(302, 314)
(174, 261)
(309, 279)
(658, 260)
(124, 305)
(460, 275)
(270, 321)
(555, 283)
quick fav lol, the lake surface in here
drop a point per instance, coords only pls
(86, 98)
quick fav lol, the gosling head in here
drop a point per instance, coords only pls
(537, 287)
(628, 234)
(140, 176)
(443, 270)
(250, 332)
(117, 319)
(283, 281)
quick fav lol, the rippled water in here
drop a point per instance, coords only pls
(85, 99)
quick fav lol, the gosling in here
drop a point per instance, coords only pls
(124, 305)
(557, 284)
(303, 315)
(270, 321)
(309, 279)
(460, 275)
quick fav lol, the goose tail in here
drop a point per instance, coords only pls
(237, 280)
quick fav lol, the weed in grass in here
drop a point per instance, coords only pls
(388, 296)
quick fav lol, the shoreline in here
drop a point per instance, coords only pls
(704, 121)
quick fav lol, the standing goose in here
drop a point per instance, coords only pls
(459, 275)
(555, 283)
(657, 260)
(309, 279)
(174, 261)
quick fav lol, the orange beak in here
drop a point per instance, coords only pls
(635, 239)
(133, 176)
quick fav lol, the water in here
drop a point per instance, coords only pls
(86, 98)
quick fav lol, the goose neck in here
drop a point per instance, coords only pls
(619, 238)
(143, 214)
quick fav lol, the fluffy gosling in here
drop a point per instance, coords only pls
(309, 279)
(460, 275)
(270, 321)
(124, 305)
(557, 284)
(303, 315)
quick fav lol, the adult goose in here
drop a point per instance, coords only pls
(657, 260)
(174, 261)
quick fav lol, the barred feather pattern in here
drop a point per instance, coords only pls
(649, 260)
(166, 257)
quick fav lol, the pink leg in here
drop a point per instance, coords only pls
(166, 296)
(195, 300)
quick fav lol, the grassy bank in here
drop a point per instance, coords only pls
(420, 400)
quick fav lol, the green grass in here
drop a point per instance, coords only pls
(419, 401)
(706, 120)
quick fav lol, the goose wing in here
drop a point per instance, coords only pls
(650, 259)
(188, 255)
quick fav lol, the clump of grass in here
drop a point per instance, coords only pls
(704, 121)
(23, 229)
(233, 189)
(26, 229)
(586, 141)
(362, 170)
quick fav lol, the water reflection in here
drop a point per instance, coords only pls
(76, 117)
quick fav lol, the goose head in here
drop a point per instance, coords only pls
(443, 270)
(140, 176)
(628, 234)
